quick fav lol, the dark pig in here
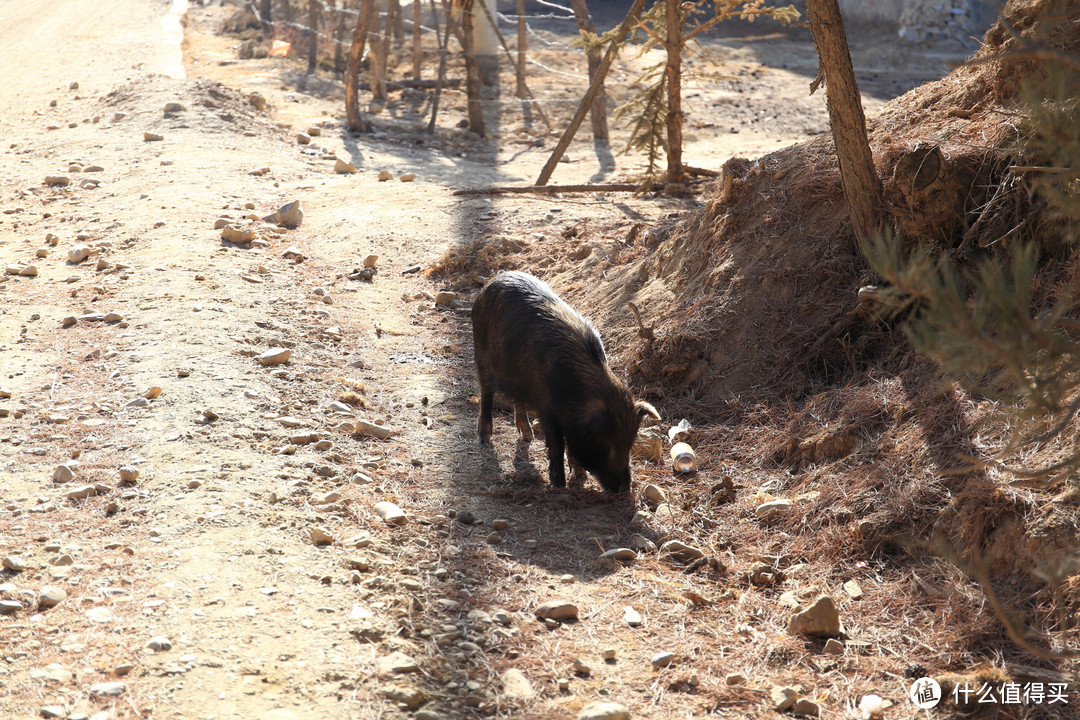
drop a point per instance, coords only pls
(546, 357)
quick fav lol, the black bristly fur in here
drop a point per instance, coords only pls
(546, 357)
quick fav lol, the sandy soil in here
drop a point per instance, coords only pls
(211, 547)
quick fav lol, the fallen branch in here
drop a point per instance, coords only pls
(683, 188)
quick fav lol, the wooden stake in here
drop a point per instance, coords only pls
(313, 36)
(356, 51)
(443, 41)
(598, 111)
(474, 105)
(594, 87)
(522, 91)
(862, 187)
(417, 51)
(502, 42)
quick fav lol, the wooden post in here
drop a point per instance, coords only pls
(594, 87)
(265, 11)
(380, 51)
(352, 73)
(472, 69)
(394, 7)
(417, 50)
(313, 35)
(673, 78)
(862, 187)
(598, 111)
(506, 49)
(444, 41)
(339, 33)
(521, 48)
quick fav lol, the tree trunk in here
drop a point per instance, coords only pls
(417, 49)
(339, 33)
(594, 86)
(398, 24)
(862, 187)
(673, 78)
(267, 14)
(521, 91)
(380, 54)
(472, 69)
(356, 53)
(313, 35)
(440, 77)
(598, 111)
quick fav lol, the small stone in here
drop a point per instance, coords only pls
(108, 689)
(390, 513)
(290, 215)
(608, 654)
(129, 473)
(137, 403)
(52, 711)
(632, 617)
(385, 175)
(257, 100)
(580, 667)
(806, 708)
(78, 253)
(57, 180)
(370, 261)
(734, 679)
(159, 643)
(152, 137)
(567, 579)
(833, 647)
(871, 706)
(853, 589)
(42, 252)
(620, 554)
(493, 538)
(783, 698)
(82, 492)
(51, 596)
(446, 298)
(821, 619)
(654, 494)
(10, 606)
(409, 697)
(320, 536)
(556, 610)
(174, 107)
(238, 234)
(274, 356)
(4, 393)
(152, 393)
(681, 551)
(28, 271)
(183, 372)
(642, 543)
(292, 253)
(666, 514)
(343, 168)
(123, 669)
(516, 686)
(363, 427)
(662, 659)
(397, 663)
(63, 474)
(303, 139)
(773, 508)
(407, 177)
(604, 710)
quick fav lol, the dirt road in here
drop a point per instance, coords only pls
(245, 573)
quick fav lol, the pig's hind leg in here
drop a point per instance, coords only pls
(521, 419)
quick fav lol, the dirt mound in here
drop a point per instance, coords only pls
(208, 105)
(760, 323)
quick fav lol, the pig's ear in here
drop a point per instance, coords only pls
(643, 408)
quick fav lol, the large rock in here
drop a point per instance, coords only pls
(821, 619)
